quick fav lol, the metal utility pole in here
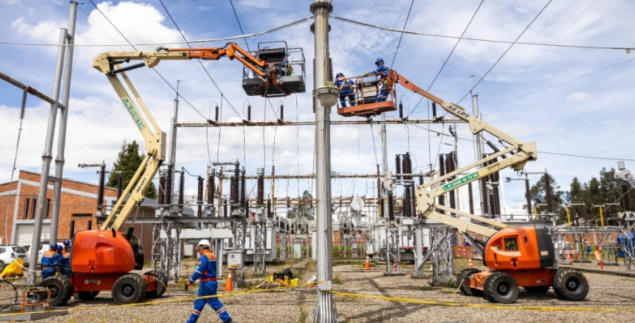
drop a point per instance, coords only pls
(479, 154)
(66, 40)
(324, 97)
(174, 126)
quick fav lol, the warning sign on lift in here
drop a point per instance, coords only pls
(460, 181)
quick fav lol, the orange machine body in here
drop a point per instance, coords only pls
(101, 252)
(525, 253)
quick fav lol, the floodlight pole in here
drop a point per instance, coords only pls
(324, 97)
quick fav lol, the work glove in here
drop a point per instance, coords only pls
(366, 74)
(187, 285)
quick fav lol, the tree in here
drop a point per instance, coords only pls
(538, 195)
(128, 161)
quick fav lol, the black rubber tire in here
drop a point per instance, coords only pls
(162, 283)
(537, 290)
(129, 288)
(61, 289)
(500, 288)
(86, 296)
(464, 283)
(570, 285)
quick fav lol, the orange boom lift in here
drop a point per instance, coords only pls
(103, 259)
(516, 256)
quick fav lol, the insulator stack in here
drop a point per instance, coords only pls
(548, 196)
(420, 180)
(161, 189)
(528, 196)
(625, 201)
(495, 207)
(492, 203)
(269, 214)
(261, 187)
(225, 209)
(398, 167)
(485, 194)
(407, 167)
(450, 167)
(281, 113)
(243, 193)
(381, 207)
(249, 113)
(413, 201)
(406, 202)
(168, 185)
(470, 197)
(391, 208)
(434, 110)
(182, 188)
(119, 184)
(199, 197)
(401, 110)
(217, 116)
(441, 165)
(210, 186)
(100, 191)
(234, 189)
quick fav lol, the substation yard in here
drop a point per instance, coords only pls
(610, 299)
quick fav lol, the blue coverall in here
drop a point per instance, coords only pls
(346, 91)
(206, 271)
(382, 71)
(65, 263)
(49, 262)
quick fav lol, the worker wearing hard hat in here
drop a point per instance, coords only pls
(384, 83)
(346, 88)
(49, 261)
(65, 261)
(206, 271)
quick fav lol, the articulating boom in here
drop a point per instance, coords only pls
(428, 192)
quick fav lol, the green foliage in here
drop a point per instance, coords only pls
(128, 161)
(451, 284)
(597, 191)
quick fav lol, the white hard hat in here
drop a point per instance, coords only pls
(204, 243)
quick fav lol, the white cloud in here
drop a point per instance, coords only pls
(579, 96)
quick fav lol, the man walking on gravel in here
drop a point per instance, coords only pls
(206, 271)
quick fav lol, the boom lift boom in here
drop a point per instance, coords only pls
(520, 256)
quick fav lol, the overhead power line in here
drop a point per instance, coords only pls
(449, 55)
(222, 95)
(154, 69)
(416, 33)
(505, 52)
(239, 25)
(199, 41)
(392, 64)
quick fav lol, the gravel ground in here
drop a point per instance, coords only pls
(606, 291)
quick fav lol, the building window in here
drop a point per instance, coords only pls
(26, 208)
(48, 208)
(33, 207)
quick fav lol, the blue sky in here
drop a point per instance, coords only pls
(534, 93)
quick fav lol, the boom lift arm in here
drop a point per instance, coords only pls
(428, 192)
(108, 62)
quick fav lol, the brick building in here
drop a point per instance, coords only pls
(78, 202)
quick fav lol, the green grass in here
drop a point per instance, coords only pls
(337, 280)
(303, 315)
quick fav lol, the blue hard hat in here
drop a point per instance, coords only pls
(379, 60)
(66, 242)
(53, 246)
(339, 74)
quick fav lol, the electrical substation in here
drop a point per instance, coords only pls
(417, 226)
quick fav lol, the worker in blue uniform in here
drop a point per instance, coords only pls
(384, 85)
(346, 88)
(206, 271)
(49, 261)
(65, 261)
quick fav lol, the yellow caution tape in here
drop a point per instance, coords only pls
(493, 306)
(167, 301)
